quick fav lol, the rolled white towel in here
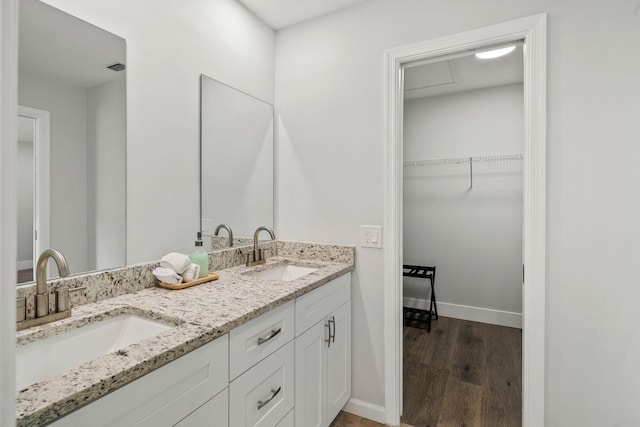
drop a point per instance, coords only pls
(175, 261)
(167, 276)
(191, 273)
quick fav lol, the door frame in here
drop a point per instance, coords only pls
(533, 30)
(8, 248)
(42, 178)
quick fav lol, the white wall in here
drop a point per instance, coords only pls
(169, 45)
(329, 93)
(68, 148)
(106, 175)
(473, 237)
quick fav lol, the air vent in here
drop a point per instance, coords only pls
(116, 67)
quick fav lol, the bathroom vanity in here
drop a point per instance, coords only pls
(241, 351)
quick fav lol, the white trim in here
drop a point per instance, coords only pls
(467, 312)
(365, 410)
(533, 31)
(42, 168)
(24, 264)
(8, 249)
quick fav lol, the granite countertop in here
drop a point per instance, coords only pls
(200, 314)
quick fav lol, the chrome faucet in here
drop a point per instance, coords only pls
(257, 255)
(63, 308)
(226, 227)
(42, 297)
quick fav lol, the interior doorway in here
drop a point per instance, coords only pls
(532, 30)
(32, 189)
(463, 126)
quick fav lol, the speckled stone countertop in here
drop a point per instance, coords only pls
(200, 314)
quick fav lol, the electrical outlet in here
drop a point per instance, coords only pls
(206, 226)
(371, 236)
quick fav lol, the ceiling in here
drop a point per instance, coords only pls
(59, 47)
(462, 74)
(279, 14)
(439, 78)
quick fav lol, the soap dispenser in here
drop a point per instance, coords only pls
(199, 256)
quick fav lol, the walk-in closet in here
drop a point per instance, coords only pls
(462, 221)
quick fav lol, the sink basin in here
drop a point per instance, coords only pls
(284, 273)
(51, 356)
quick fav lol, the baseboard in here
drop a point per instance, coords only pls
(465, 312)
(365, 410)
(24, 265)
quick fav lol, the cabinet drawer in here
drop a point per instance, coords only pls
(253, 341)
(164, 396)
(264, 394)
(314, 306)
(214, 413)
(287, 421)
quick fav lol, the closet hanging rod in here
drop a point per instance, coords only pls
(462, 160)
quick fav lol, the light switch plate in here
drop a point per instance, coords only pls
(371, 236)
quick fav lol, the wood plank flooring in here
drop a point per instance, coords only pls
(25, 275)
(462, 374)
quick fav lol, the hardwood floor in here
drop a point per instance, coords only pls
(25, 275)
(461, 374)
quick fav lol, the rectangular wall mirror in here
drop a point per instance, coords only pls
(71, 142)
(236, 162)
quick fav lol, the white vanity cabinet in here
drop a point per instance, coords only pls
(291, 366)
(194, 385)
(323, 353)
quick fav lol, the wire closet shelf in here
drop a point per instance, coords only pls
(506, 158)
(498, 158)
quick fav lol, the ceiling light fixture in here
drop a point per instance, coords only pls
(495, 53)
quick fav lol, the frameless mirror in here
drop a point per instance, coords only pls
(236, 162)
(71, 148)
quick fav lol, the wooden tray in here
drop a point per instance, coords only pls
(210, 277)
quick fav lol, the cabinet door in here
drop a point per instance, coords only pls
(162, 397)
(339, 361)
(214, 413)
(314, 307)
(310, 376)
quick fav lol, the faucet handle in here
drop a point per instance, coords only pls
(21, 309)
(62, 299)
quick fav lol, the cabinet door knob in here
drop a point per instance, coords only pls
(274, 393)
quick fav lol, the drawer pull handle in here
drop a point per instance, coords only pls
(274, 393)
(273, 333)
(333, 336)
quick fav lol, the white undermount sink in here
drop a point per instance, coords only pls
(284, 273)
(51, 356)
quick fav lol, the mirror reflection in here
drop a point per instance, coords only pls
(71, 148)
(236, 170)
